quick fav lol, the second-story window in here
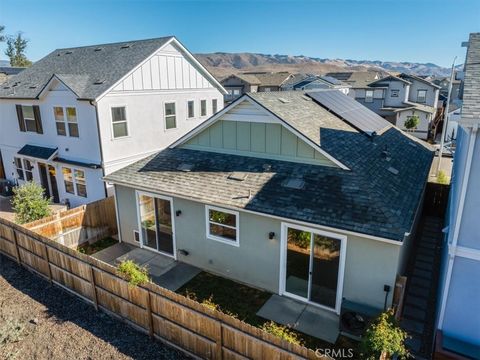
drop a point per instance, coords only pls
(369, 96)
(66, 121)
(191, 109)
(203, 107)
(170, 116)
(119, 122)
(421, 96)
(214, 106)
(29, 118)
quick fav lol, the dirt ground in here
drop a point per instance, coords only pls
(41, 321)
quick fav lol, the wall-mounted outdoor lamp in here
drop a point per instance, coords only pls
(386, 288)
(183, 252)
(271, 235)
(178, 212)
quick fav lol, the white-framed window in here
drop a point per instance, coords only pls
(214, 106)
(222, 225)
(394, 92)
(19, 167)
(203, 107)
(119, 122)
(29, 118)
(66, 121)
(75, 182)
(191, 109)
(368, 96)
(27, 168)
(236, 91)
(170, 116)
(421, 96)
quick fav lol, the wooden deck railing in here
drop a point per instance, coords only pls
(162, 314)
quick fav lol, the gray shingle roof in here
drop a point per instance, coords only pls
(270, 78)
(368, 199)
(471, 90)
(79, 68)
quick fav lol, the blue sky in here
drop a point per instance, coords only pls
(401, 30)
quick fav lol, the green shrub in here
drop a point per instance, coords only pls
(282, 332)
(135, 274)
(412, 122)
(384, 338)
(442, 178)
(29, 203)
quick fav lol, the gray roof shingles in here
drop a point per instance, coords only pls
(79, 68)
(367, 199)
(471, 90)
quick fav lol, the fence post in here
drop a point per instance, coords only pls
(149, 314)
(17, 252)
(48, 262)
(94, 288)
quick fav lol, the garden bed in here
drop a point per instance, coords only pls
(97, 246)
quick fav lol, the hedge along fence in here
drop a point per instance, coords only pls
(90, 222)
(163, 314)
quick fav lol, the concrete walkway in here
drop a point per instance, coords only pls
(419, 309)
(163, 270)
(311, 320)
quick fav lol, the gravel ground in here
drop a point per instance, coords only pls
(40, 321)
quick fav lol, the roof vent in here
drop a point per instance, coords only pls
(98, 49)
(32, 87)
(283, 100)
(267, 167)
(98, 82)
(412, 144)
(294, 183)
(237, 176)
(305, 97)
(185, 167)
(68, 52)
(126, 46)
(393, 170)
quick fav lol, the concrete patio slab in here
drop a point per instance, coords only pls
(111, 253)
(320, 323)
(176, 277)
(139, 256)
(158, 265)
(282, 310)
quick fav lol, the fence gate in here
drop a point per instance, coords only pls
(436, 199)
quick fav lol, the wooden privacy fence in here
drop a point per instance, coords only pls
(72, 227)
(436, 199)
(202, 331)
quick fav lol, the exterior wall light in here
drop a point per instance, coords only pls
(271, 235)
(178, 212)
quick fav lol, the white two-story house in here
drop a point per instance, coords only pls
(397, 98)
(81, 113)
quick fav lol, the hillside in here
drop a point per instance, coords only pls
(222, 64)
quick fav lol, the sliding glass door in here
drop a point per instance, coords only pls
(313, 266)
(156, 223)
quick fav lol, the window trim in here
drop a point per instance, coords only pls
(165, 115)
(221, 239)
(15, 158)
(29, 119)
(74, 181)
(126, 121)
(425, 97)
(65, 120)
(193, 117)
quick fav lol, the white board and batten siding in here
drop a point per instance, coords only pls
(247, 130)
(167, 76)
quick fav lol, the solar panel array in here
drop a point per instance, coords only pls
(350, 110)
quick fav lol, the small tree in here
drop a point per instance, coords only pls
(16, 46)
(29, 203)
(2, 36)
(384, 338)
(412, 122)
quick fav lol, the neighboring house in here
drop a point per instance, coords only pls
(357, 79)
(276, 191)
(7, 72)
(315, 82)
(459, 300)
(397, 98)
(239, 84)
(444, 83)
(81, 113)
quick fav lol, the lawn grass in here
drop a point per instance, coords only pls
(243, 302)
(90, 249)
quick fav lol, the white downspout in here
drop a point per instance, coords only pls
(458, 219)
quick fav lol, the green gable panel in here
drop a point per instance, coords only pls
(229, 135)
(216, 135)
(288, 143)
(305, 150)
(243, 136)
(204, 138)
(272, 138)
(257, 137)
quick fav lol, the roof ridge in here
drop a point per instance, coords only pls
(116, 43)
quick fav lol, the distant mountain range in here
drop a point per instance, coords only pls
(222, 64)
(4, 63)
